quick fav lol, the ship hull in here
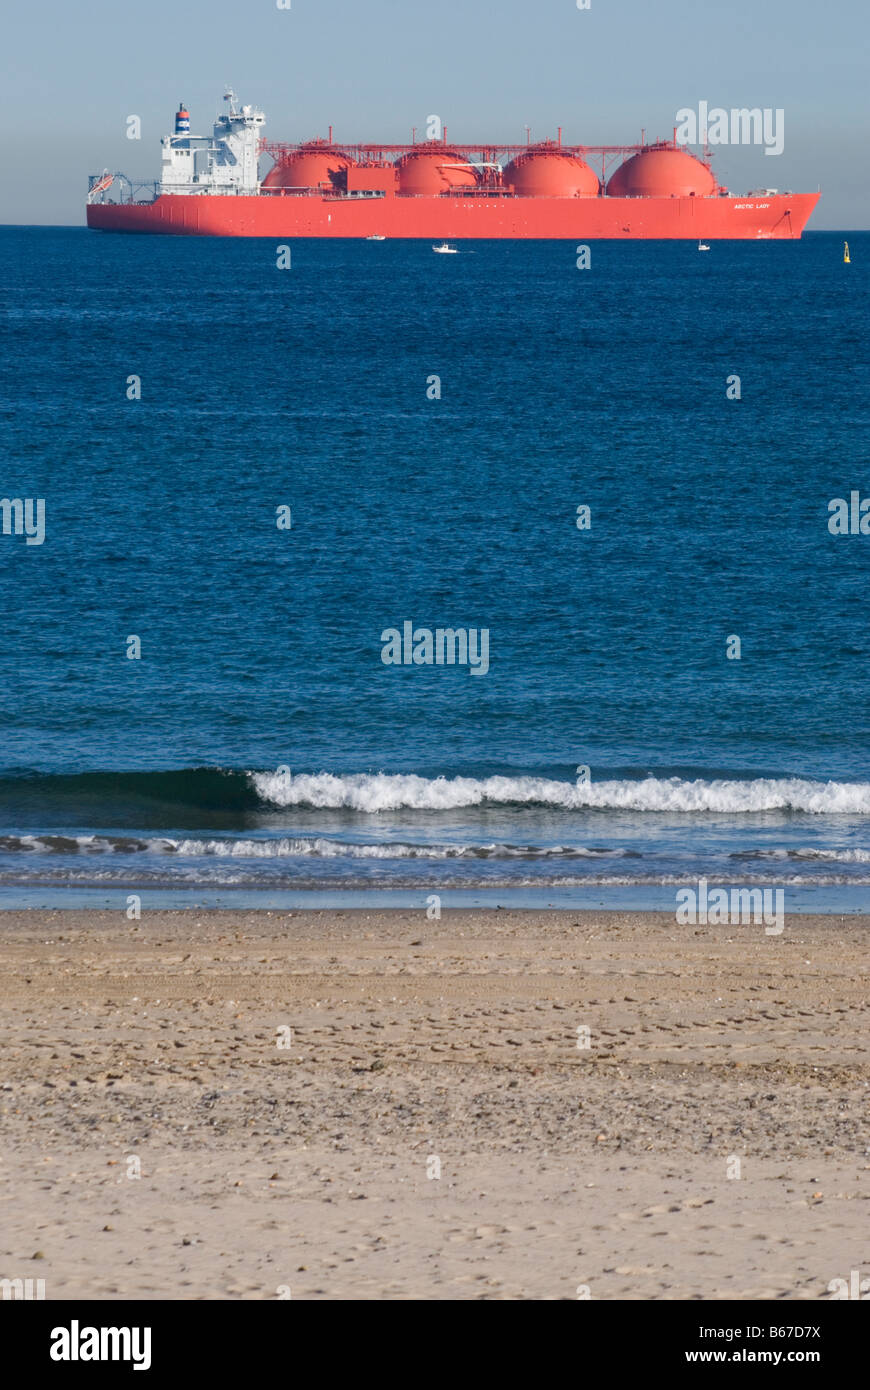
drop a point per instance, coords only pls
(451, 218)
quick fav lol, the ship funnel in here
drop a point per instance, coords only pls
(182, 120)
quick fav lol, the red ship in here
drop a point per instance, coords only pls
(210, 186)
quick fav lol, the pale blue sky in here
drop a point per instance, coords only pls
(375, 68)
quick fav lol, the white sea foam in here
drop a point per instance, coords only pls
(222, 875)
(842, 856)
(322, 848)
(316, 846)
(839, 856)
(371, 793)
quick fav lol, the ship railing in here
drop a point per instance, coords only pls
(480, 190)
(333, 194)
(129, 190)
(355, 194)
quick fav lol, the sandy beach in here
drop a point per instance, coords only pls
(362, 1104)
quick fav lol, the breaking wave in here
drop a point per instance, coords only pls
(838, 856)
(371, 793)
(192, 797)
(286, 847)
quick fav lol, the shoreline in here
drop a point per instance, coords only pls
(704, 1139)
(414, 910)
(815, 900)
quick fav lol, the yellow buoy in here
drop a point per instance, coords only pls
(846, 257)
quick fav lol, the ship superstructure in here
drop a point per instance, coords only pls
(222, 164)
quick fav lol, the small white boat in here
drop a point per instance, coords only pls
(445, 249)
(376, 238)
(702, 246)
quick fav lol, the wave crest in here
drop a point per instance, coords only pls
(374, 792)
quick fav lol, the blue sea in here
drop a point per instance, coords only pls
(254, 748)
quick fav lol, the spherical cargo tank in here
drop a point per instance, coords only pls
(545, 171)
(662, 172)
(431, 171)
(314, 165)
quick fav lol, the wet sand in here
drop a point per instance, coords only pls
(711, 1141)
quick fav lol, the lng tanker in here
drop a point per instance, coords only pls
(432, 189)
